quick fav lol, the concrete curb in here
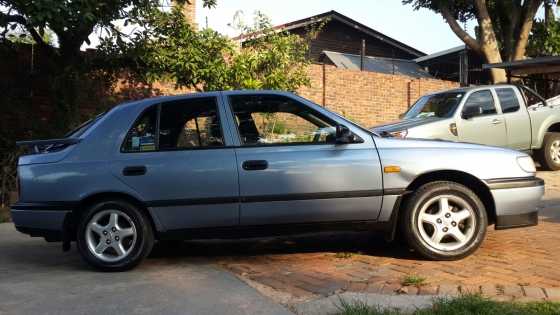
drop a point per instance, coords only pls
(331, 304)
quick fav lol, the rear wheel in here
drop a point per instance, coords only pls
(549, 154)
(114, 235)
(444, 221)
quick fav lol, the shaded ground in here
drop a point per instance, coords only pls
(37, 278)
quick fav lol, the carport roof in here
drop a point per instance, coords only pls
(377, 64)
(539, 65)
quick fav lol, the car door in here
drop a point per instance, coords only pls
(485, 124)
(518, 122)
(290, 169)
(177, 158)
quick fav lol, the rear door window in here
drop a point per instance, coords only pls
(508, 100)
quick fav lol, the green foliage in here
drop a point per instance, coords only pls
(465, 305)
(168, 47)
(414, 280)
(545, 39)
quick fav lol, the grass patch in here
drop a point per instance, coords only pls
(463, 305)
(5, 215)
(413, 280)
(344, 255)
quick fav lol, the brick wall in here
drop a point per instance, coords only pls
(368, 98)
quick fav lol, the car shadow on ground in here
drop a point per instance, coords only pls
(334, 242)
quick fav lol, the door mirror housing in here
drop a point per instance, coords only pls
(344, 135)
(472, 111)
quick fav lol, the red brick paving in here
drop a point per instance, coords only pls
(511, 264)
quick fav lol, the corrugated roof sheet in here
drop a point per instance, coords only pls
(378, 64)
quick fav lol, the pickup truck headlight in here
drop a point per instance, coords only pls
(399, 134)
(526, 163)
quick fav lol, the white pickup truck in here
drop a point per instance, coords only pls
(496, 115)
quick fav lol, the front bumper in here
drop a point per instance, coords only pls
(41, 219)
(517, 201)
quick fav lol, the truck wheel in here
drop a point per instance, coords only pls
(114, 235)
(549, 154)
(444, 221)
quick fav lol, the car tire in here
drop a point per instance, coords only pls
(549, 154)
(114, 235)
(444, 221)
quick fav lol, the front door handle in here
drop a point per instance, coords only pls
(496, 122)
(256, 165)
(134, 170)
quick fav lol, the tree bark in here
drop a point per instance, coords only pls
(456, 28)
(530, 8)
(488, 41)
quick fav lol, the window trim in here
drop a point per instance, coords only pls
(484, 115)
(242, 145)
(158, 116)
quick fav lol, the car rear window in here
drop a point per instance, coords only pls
(508, 100)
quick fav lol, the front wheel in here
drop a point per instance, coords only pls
(444, 221)
(114, 235)
(549, 154)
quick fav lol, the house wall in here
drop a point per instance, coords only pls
(339, 37)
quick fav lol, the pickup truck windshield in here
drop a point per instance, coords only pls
(442, 105)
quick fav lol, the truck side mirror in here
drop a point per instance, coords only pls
(472, 111)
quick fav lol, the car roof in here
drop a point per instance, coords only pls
(472, 88)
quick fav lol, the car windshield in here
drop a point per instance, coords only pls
(442, 105)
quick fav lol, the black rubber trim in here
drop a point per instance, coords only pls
(519, 220)
(192, 202)
(65, 141)
(46, 206)
(518, 182)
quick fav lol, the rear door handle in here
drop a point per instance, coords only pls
(134, 171)
(256, 165)
(496, 122)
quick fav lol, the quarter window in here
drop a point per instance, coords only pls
(508, 100)
(189, 124)
(276, 120)
(482, 101)
(141, 138)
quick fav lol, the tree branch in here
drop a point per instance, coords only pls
(456, 28)
(16, 18)
(530, 8)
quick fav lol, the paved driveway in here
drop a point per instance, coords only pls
(37, 278)
(192, 278)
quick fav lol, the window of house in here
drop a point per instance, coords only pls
(141, 137)
(482, 100)
(188, 124)
(273, 119)
(508, 100)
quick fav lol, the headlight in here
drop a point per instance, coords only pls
(399, 134)
(526, 163)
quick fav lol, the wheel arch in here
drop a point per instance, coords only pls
(463, 178)
(72, 222)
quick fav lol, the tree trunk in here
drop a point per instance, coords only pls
(530, 8)
(489, 44)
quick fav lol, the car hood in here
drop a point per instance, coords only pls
(404, 124)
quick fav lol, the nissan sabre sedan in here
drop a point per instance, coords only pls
(248, 163)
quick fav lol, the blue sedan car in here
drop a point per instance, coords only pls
(247, 163)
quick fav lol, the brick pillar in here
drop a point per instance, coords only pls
(189, 11)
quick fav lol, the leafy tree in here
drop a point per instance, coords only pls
(72, 22)
(168, 47)
(545, 37)
(503, 27)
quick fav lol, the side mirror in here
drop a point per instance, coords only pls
(344, 135)
(472, 111)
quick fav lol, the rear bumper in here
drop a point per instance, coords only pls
(517, 201)
(41, 220)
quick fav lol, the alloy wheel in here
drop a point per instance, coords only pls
(446, 222)
(110, 235)
(555, 151)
